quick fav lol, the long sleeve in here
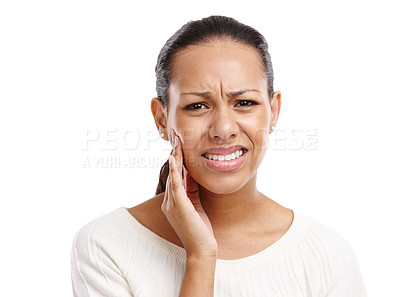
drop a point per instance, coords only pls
(94, 273)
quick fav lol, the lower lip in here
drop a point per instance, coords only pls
(225, 165)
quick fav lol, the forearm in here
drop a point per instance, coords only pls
(199, 277)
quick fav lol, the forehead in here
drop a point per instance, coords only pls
(219, 63)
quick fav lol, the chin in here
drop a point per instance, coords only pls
(222, 185)
(221, 190)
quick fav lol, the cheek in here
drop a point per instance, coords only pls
(258, 137)
(191, 132)
(256, 128)
(261, 140)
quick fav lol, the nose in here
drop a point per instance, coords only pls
(223, 126)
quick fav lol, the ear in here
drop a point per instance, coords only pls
(160, 116)
(275, 108)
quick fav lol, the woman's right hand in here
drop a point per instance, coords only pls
(183, 208)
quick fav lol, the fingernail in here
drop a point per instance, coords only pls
(170, 160)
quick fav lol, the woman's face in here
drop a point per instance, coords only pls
(219, 100)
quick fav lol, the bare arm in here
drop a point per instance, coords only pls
(199, 277)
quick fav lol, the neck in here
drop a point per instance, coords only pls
(233, 210)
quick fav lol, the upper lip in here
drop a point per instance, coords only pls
(223, 150)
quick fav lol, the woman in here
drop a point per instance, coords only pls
(209, 231)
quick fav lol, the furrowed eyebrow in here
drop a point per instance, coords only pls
(200, 94)
(230, 94)
(238, 93)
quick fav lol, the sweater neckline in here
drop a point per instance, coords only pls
(289, 239)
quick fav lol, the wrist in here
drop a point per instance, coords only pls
(202, 257)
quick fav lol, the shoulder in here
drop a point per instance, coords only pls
(326, 242)
(101, 255)
(319, 234)
(115, 224)
(327, 254)
(114, 233)
(107, 238)
(322, 241)
(104, 226)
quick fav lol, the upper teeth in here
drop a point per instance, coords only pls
(232, 156)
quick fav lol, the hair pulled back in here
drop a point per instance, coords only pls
(202, 31)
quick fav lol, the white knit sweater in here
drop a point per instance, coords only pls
(115, 255)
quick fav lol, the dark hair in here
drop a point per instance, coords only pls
(203, 31)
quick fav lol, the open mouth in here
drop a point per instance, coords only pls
(227, 162)
(228, 157)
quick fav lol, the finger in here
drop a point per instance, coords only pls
(178, 153)
(178, 192)
(168, 198)
(168, 192)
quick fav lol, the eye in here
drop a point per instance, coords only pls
(247, 103)
(194, 106)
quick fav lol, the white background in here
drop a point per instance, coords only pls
(69, 69)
